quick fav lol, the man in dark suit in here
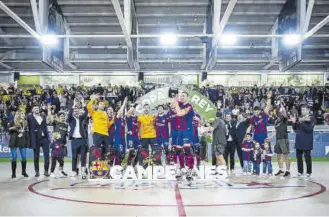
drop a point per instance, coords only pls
(39, 138)
(78, 122)
(241, 130)
(231, 140)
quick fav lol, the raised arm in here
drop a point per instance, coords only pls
(120, 112)
(90, 105)
(283, 110)
(268, 103)
(50, 117)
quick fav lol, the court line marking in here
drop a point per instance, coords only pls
(179, 201)
(32, 190)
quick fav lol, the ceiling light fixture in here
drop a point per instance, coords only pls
(168, 39)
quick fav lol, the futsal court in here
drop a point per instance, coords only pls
(237, 195)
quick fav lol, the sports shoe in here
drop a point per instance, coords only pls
(308, 175)
(52, 175)
(245, 174)
(144, 175)
(37, 174)
(74, 174)
(46, 174)
(279, 173)
(63, 173)
(178, 173)
(286, 174)
(232, 172)
(300, 175)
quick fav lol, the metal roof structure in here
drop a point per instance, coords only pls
(101, 36)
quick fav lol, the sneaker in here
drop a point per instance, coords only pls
(279, 173)
(64, 173)
(178, 173)
(144, 175)
(74, 174)
(37, 174)
(52, 175)
(46, 174)
(232, 172)
(245, 174)
(308, 175)
(300, 175)
(286, 174)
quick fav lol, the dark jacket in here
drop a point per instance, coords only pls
(304, 135)
(16, 140)
(83, 123)
(241, 130)
(38, 133)
(231, 129)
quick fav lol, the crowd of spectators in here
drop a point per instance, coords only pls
(245, 99)
(233, 99)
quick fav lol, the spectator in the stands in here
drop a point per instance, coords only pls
(319, 119)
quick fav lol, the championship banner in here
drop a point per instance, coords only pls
(200, 103)
(54, 56)
(289, 18)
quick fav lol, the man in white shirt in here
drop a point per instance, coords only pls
(78, 122)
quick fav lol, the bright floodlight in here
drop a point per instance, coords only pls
(49, 40)
(228, 39)
(292, 39)
(168, 39)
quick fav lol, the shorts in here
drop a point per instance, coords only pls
(282, 146)
(133, 142)
(196, 140)
(163, 141)
(260, 137)
(219, 149)
(184, 137)
(119, 141)
(100, 140)
(174, 137)
(148, 141)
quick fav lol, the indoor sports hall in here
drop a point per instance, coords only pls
(164, 108)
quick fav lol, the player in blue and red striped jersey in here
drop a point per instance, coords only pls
(247, 151)
(132, 135)
(110, 115)
(259, 121)
(162, 131)
(185, 135)
(119, 135)
(174, 126)
(196, 140)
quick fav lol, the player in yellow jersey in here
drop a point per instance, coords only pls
(147, 134)
(101, 124)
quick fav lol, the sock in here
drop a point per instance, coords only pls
(189, 157)
(167, 159)
(174, 156)
(198, 160)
